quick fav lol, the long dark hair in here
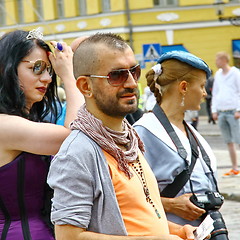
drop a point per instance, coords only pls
(14, 46)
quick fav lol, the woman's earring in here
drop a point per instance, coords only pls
(183, 101)
(89, 94)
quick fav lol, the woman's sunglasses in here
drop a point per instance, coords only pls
(40, 67)
(118, 77)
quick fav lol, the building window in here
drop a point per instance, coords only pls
(106, 6)
(165, 3)
(2, 13)
(236, 52)
(82, 6)
(39, 10)
(20, 11)
(60, 8)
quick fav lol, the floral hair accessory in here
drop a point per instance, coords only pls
(157, 72)
(35, 34)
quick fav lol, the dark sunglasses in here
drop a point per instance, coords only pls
(118, 77)
(40, 67)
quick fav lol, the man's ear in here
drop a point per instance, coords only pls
(84, 86)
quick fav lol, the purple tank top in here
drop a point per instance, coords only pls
(22, 197)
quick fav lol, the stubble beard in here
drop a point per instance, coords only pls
(116, 110)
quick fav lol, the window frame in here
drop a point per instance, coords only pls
(82, 7)
(60, 9)
(106, 5)
(164, 3)
(3, 14)
(20, 11)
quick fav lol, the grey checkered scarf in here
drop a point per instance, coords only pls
(109, 139)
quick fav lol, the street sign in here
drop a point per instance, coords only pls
(151, 52)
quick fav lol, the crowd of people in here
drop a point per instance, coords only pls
(92, 165)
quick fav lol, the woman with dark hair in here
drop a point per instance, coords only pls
(28, 92)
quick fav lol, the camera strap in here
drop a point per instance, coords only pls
(171, 190)
(195, 143)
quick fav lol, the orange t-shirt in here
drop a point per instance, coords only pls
(138, 215)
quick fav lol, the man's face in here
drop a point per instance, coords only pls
(111, 100)
(220, 61)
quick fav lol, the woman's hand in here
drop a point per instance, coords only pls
(62, 61)
(182, 207)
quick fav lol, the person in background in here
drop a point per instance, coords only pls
(226, 106)
(62, 97)
(178, 83)
(191, 116)
(208, 98)
(60, 102)
(104, 188)
(61, 94)
(28, 89)
(149, 99)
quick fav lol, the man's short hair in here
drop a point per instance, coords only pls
(224, 55)
(87, 55)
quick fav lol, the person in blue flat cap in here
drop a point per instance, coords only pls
(173, 146)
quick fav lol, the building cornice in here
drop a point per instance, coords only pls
(136, 29)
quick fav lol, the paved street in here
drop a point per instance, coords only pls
(231, 214)
(229, 186)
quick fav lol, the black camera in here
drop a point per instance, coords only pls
(208, 201)
(211, 202)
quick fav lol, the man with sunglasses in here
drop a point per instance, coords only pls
(103, 186)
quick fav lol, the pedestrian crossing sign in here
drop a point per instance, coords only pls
(151, 52)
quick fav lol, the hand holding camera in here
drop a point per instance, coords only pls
(211, 202)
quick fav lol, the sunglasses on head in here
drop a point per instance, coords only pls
(118, 77)
(40, 67)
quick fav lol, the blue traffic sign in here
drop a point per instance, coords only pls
(151, 52)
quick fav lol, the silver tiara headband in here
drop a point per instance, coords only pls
(35, 34)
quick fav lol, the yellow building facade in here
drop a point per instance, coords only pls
(192, 24)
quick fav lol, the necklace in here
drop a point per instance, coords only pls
(139, 171)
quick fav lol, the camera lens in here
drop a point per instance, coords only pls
(220, 231)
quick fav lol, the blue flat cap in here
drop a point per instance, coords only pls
(188, 58)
